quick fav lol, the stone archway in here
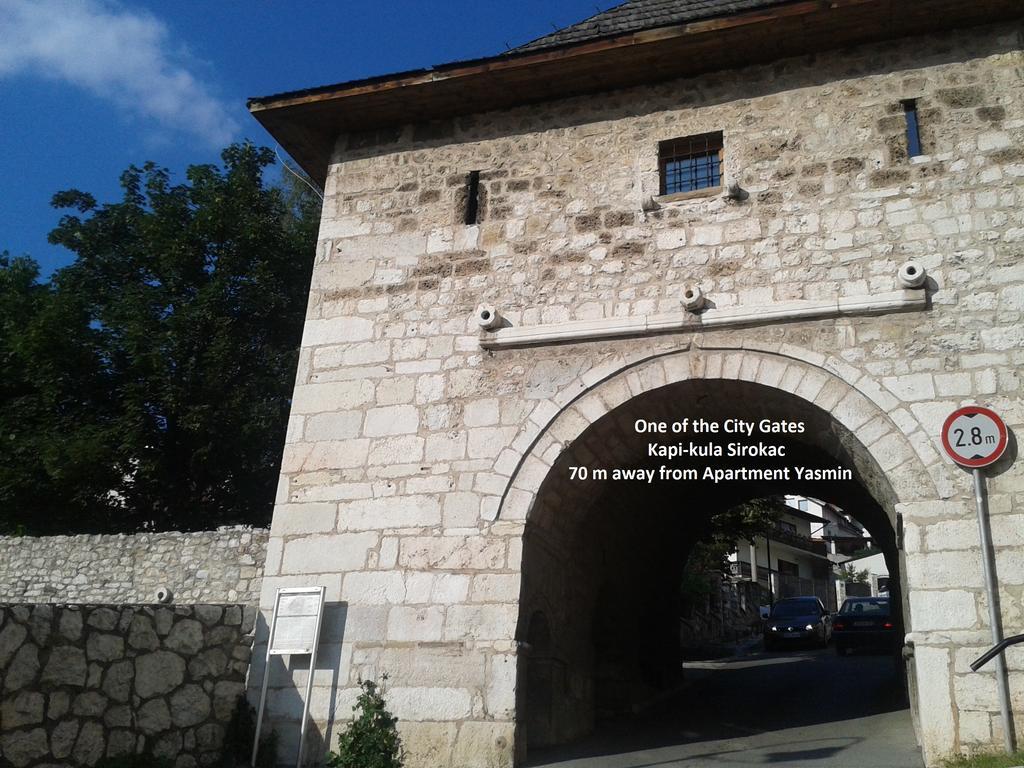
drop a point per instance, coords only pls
(849, 426)
(889, 433)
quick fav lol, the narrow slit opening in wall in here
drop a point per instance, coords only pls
(472, 197)
(913, 130)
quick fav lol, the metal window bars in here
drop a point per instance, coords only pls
(690, 163)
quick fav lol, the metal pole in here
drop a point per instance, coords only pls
(266, 679)
(988, 561)
(309, 680)
(259, 715)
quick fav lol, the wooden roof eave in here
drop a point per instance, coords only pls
(306, 123)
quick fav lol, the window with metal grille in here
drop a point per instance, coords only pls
(690, 163)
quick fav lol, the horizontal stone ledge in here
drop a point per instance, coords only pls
(726, 317)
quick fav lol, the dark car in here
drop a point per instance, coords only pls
(864, 622)
(796, 620)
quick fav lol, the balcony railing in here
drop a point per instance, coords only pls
(787, 585)
(797, 541)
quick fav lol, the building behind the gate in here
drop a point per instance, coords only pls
(528, 184)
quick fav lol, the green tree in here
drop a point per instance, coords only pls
(724, 529)
(720, 534)
(187, 301)
(57, 434)
(847, 572)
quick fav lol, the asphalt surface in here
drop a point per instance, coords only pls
(791, 709)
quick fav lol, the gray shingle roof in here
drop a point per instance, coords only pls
(637, 15)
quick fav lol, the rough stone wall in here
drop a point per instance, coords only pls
(224, 565)
(81, 682)
(730, 615)
(406, 438)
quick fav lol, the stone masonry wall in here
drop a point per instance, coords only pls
(407, 440)
(221, 566)
(81, 682)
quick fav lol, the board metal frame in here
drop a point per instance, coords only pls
(308, 648)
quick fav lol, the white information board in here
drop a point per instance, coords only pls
(296, 621)
(294, 631)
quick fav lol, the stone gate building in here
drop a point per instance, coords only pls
(796, 211)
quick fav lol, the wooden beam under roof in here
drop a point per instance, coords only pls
(307, 123)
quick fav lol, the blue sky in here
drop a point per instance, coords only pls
(88, 87)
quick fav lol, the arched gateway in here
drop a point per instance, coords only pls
(795, 212)
(860, 427)
(602, 558)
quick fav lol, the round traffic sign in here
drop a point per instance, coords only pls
(974, 436)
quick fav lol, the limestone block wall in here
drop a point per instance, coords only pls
(224, 565)
(81, 682)
(413, 456)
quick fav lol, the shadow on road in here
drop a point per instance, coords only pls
(801, 708)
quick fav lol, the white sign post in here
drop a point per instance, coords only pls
(294, 630)
(975, 437)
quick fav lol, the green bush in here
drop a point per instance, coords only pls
(371, 740)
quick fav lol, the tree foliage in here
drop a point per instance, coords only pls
(56, 420)
(147, 385)
(725, 529)
(847, 572)
(722, 532)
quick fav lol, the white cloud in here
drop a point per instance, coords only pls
(120, 55)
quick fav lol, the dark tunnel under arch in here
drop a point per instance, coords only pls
(602, 559)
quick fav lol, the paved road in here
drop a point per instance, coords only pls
(798, 709)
